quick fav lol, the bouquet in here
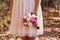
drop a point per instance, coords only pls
(31, 19)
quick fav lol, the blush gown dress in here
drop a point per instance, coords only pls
(20, 8)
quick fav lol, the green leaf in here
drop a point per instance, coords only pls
(35, 14)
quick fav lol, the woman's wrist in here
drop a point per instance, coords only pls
(36, 5)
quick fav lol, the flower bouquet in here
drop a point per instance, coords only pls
(31, 19)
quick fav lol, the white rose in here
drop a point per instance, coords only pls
(29, 15)
(33, 15)
(28, 18)
(30, 24)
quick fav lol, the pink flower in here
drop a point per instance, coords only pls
(24, 19)
(33, 19)
(32, 13)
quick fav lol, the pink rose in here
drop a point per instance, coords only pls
(33, 19)
(32, 13)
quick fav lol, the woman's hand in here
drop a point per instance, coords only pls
(11, 5)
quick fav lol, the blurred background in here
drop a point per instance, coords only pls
(51, 16)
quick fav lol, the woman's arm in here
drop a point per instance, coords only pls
(36, 5)
(11, 4)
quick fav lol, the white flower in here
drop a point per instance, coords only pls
(33, 15)
(29, 15)
(30, 24)
(28, 18)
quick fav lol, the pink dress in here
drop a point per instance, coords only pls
(20, 7)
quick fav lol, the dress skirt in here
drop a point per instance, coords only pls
(20, 8)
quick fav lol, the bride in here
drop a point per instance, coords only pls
(18, 9)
